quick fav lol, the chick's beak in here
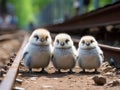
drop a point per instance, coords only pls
(62, 44)
(88, 44)
(42, 40)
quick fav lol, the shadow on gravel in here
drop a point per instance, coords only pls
(54, 74)
(49, 75)
(88, 73)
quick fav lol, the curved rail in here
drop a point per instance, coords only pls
(9, 80)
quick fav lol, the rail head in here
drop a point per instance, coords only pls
(104, 47)
(8, 81)
(109, 48)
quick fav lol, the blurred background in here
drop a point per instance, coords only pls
(28, 14)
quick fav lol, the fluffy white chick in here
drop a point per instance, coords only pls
(90, 56)
(64, 53)
(37, 52)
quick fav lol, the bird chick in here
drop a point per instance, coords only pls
(37, 52)
(64, 53)
(90, 56)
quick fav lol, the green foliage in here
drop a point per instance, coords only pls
(102, 3)
(39, 4)
(27, 9)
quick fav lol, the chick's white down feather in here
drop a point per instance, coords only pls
(38, 49)
(90, 56)
(64, 52)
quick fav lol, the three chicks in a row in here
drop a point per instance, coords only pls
(39, 51)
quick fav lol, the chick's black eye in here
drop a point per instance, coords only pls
(83, 42)
(92, 41)
(66, 40)
(57, 41)
(36, 37)
(46, 37)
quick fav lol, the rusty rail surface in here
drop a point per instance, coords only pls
(108, 15)
(9, 79)
(7, 31)
(111, 53)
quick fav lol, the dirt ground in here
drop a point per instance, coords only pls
(64, 81)
(10, 46)
(52, 80)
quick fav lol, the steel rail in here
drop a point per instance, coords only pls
(8, 81)
(7, 31)
(108, 15)
(111, 53)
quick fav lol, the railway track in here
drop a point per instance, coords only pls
(9, 80)
(8, 31)
(74, 25)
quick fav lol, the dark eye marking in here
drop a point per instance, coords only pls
(91, 41)
(57, 41)
(36, 36)
(46, 37)
(83, 42)
(67, 40)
